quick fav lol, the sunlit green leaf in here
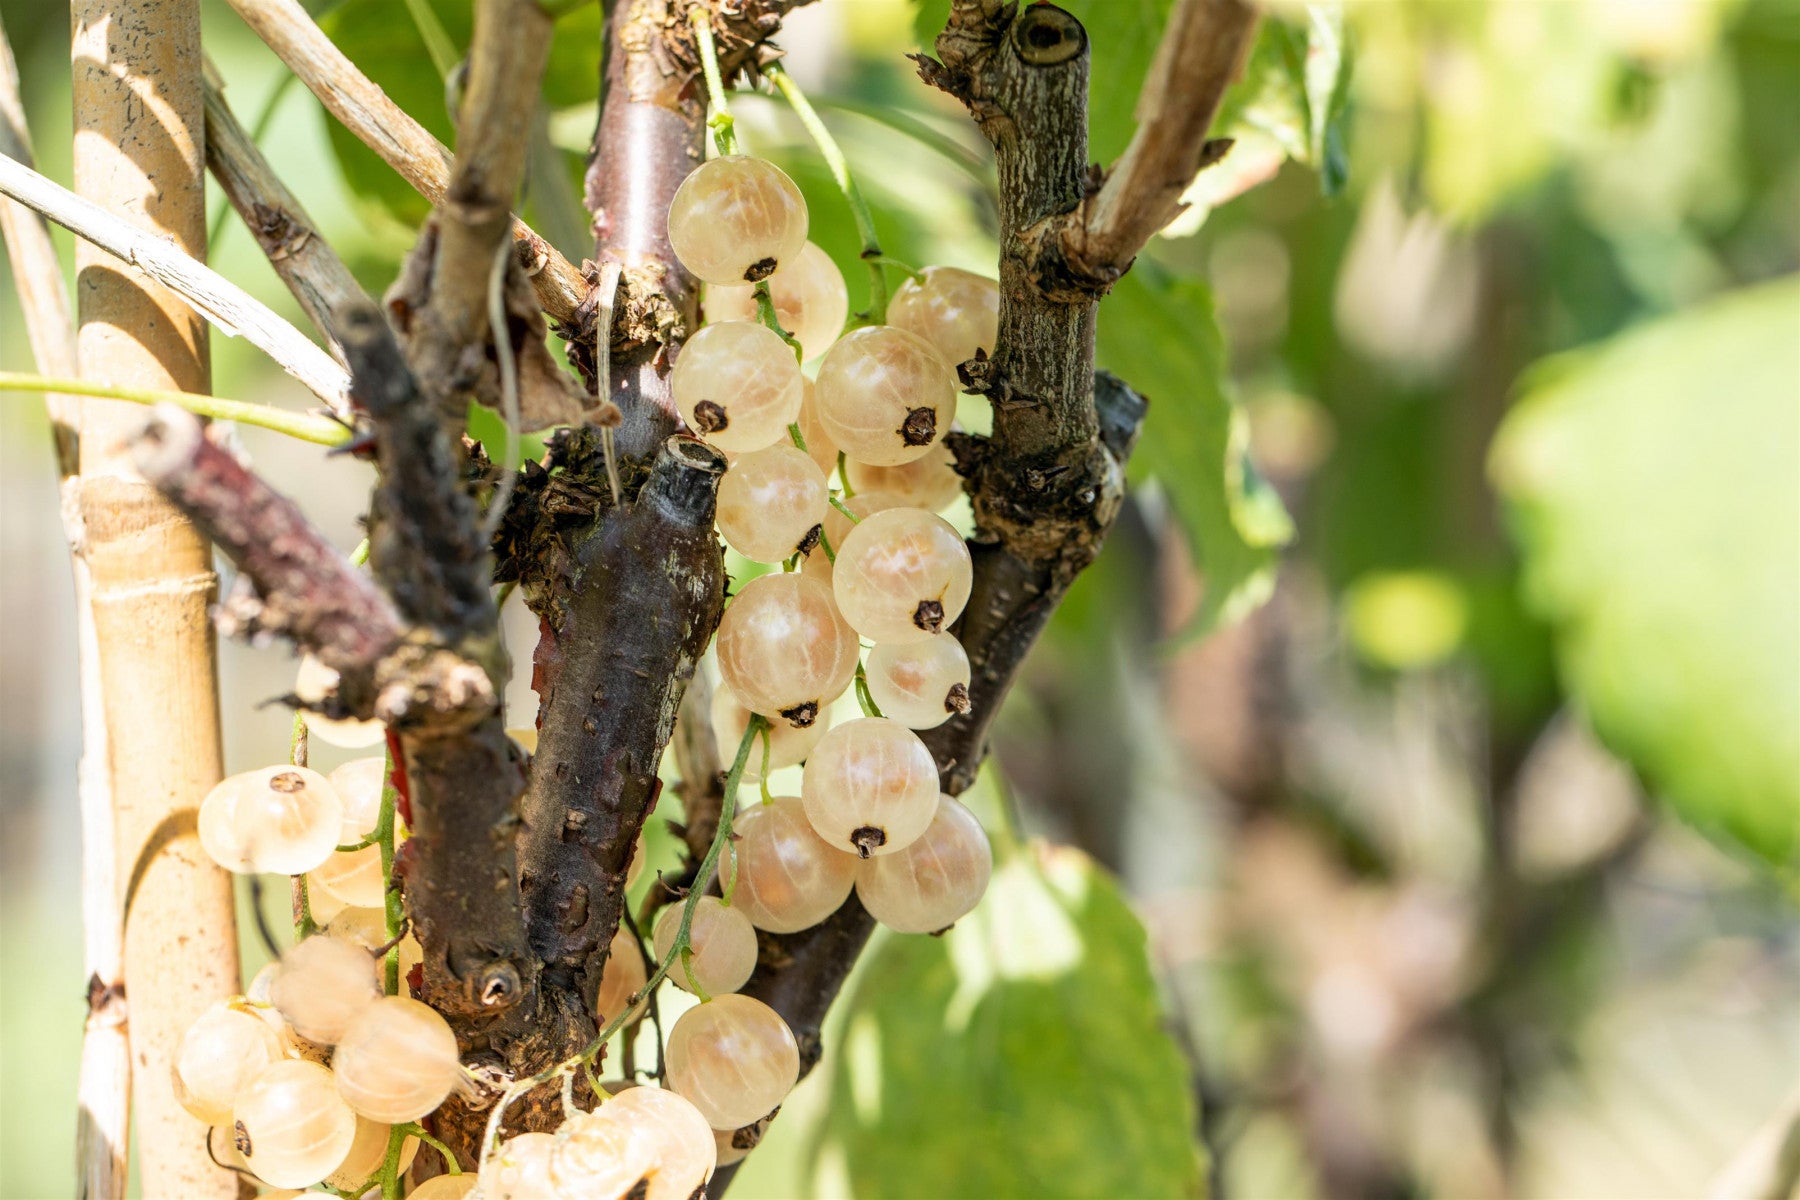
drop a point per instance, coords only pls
(1158, 333)
(1655, 488)
(1021, 1054)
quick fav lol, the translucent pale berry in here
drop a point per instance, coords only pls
(737, 385)
(723, 944)
(920, 684)
(929, 482)
(219, 1053)
(520, 1169)
(367, 1153)
(870, 787)
(770, 501)
(681, 1137)
(736, 219)
(934, 881)
(885, 395)
(902, 575)
(788, 878)
(956, 311)
(367, 927)
(358, 783)
(811, 301)
(838, 526)
(787, 745)
(312, 684)
(819, 446)
(620, 979)
(324, 982)
(290, 1124)
(446, 1187)
(784, 650)
(734, 1145)
(396, 1061)
(598, 1154)
(353, 876)
(735, 1058)
(274, 821)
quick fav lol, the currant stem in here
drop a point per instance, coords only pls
(840, 171)
(721, 123)
(843, 508)
(863, 696)
(844, 477)
(384, 837)
(308, 428)
(765, 312)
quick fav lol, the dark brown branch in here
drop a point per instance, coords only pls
(307, 589)
(1201, 53)
(312, 271)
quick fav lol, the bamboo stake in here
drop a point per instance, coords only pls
(103, 1093)
(139, 137)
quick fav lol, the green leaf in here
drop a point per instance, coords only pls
(1020, 1054)
(385, 44)
(1158, 333)
(1295, 92)
(1654, 485)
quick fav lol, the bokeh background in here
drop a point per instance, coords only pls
(1408, 803)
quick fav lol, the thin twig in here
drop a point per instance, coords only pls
(604, 296)
(1201, 52)
(234, 311)
(320, 430)
(308, 265)
(365, 110)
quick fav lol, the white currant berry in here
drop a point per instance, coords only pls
(396, 1061)
(722, 941)
(737, 385)
(367, 1153)
(920, 684)
(274, 821)
(367, 927)
(315, 681)
(770, 501)
(885, 396)
(929, 482)
(788, 878)
(933, 882)
(219, 1053)
(621, 978)
(291, 1125)
(811, 301)
(520, 1169)
(679, 1133)
(902, 575)
(735, 1058)
(784, 650)
(353, 876)
(957, 311)
(787, 746)
(734, 1145)
(323, 983)
(446, 1187)
(819, 446)
(599, 1155)
(359, 783)
(736, 219)
(838, 526)
(870, 787)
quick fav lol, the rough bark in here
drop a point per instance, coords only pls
(138, 135)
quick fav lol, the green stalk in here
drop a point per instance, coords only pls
(437, 39)
(320, 430)
(384, 837)
(721, 123)
(765, 312)
(840, 171)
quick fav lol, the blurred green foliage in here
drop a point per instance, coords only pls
(1021, 1054)
(1653, 483)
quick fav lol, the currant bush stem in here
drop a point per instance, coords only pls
(721, 123)
(765, 312)
(414, 1129)
(390, 1163)
(702, 876)
(863, 697)
(845, 509)
(384, 837)
(840, 171)
(321, 431)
